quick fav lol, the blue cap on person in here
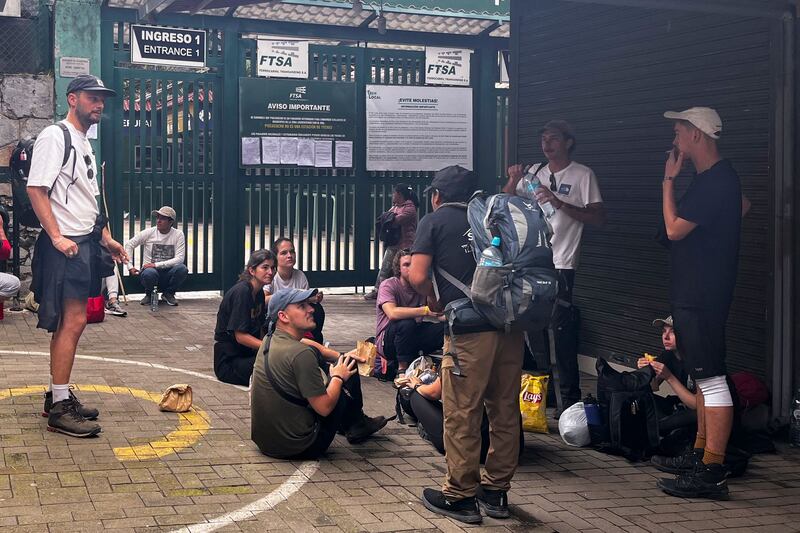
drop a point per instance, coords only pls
(284, 298)
(89, 83)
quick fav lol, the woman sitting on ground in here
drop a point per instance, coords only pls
(288, 277)
(241, 321)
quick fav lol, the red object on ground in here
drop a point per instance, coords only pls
(751, 390)
(95, 309)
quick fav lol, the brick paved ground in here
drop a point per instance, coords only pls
(137, 476)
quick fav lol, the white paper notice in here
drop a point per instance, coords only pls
(323, 152)
(344, 154)
(288, 150)
(251, 151)
(305, 152)
(271, 150)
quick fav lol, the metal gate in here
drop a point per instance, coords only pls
(173, 142)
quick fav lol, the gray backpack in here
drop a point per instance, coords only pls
(521, 293)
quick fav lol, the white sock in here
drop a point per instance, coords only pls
(60, 392)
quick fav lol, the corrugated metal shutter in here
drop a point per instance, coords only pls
(612, 71)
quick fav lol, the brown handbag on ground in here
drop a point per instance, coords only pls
(177, 399)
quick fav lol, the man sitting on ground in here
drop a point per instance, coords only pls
(289, 377)
(9, 284)
(164, 254)
(401, 332)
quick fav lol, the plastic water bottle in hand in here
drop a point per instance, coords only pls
(492, 256)
(794, 422)
(531, 182)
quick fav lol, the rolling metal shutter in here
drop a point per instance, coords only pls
(612, 71)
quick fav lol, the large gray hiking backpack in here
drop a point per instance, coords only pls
(521, 293)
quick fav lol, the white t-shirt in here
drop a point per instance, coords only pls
(163, 250)
(576, 185)
(74, 206)
(297, 281)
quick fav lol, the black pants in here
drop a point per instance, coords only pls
(565, 325)
(347, 411)
(404, 339)
(233, 363)
(430, 417)
(319, 319)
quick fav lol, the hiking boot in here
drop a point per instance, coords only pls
(364, 428)
(113, 308)
(371, 295)
(169, 298)
(682, 464)
(65, 418)
(145, 300)
(464, 510)
(708, 481)
(493, 502)
(89, 413)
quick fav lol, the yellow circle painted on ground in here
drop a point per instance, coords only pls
(191, 425)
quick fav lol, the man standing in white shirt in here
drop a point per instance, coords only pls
(66, 266)
(163, 257)
(571, 188)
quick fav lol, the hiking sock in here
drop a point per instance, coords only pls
(60, 392)
(710, 457)
(700, 442)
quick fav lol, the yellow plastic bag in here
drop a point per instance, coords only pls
(533, 402)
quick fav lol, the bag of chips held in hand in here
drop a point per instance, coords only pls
(532, 403)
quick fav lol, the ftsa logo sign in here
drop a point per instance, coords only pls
(298, 94)
(373, 95)
(275, 61)
(442, 70)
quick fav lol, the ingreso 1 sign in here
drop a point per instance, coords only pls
(155, 45)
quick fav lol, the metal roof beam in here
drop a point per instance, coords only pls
(201, 6)
(153, 6)
(489, 29)
(2, 5)
(729, 7)
(367, 21)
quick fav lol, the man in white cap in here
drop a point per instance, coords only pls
(163, 258)
(62, 186)
(703, 232)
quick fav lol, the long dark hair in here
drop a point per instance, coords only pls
(256, 258)
(407, 192)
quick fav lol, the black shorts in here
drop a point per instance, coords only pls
(700, 334)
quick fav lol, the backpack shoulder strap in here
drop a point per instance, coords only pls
(301, 402)
(540, 167)
(455, 282)
(67, 143)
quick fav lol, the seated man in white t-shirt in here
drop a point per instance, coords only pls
(572, 189)
(163, 258)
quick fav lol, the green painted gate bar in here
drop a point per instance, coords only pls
(175, 140)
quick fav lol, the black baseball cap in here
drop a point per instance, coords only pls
(454, 181)
(87, 82)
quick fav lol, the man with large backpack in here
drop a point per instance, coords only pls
(572, 190)
(67, 257)
(482, 363)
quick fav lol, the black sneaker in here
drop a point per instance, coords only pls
(371, 295)
(145, 300)
(65, 418)
(169, 298)
(365, 427)
(464, 510)
(682, 464)
(706, 482)
(89, 413)
(493, 502)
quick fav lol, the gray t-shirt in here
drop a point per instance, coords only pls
(280, 428)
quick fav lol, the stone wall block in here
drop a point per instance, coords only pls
(27, 96)
(30, 127)
(9, 131)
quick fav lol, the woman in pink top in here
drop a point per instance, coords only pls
(404, 207)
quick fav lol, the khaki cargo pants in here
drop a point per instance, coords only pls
(491, 363)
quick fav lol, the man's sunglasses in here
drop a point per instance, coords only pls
(553, 184)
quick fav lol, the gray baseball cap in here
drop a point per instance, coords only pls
(284, 298)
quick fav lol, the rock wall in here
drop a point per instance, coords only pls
(26, 107)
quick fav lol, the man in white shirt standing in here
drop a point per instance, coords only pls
(572, 189)
(163, 258)
(66, 267)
